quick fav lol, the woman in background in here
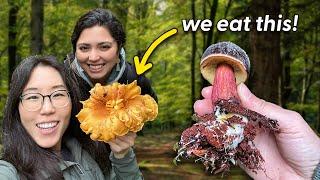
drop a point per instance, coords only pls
(98, 57)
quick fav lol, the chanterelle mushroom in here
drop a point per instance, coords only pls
(114, 110)
(226, 135)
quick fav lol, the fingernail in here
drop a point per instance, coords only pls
(206, 92)
(203, 107)
(243, 91)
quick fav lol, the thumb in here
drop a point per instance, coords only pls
(254, 103)
(202, 107)
(295, 138)
(270, 110)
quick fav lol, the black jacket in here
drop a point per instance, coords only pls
(128, 76)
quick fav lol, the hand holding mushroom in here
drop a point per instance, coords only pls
(121, 144)
(293, 153)
(225, 135)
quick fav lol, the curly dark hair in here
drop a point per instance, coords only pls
(101, 17)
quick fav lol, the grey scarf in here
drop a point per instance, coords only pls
(114, 76)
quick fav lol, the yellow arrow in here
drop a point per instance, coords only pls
(141, 67)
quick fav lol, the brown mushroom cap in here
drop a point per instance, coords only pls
(225, 52)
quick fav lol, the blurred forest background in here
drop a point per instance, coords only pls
(285, 65)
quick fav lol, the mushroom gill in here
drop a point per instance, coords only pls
(114, 110)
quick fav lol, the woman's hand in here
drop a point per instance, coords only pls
(293, 153)
(121, 145)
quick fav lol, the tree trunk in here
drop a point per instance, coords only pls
(208, 36)
(193, 56)
(318, 119)
(265, 53)
(36, 26)
(308, 69)
(286, 59)
(204, 39)
(213, 13)
(12, 37)
(226, 12)
(316, 57)
(104, 3)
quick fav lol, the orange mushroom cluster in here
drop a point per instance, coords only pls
(114, 110)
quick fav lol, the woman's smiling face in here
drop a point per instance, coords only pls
(97, 52)
(46, 125)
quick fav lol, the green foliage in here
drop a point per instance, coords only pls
(60, 19)
(146, 20)
(304, 62)
(310, 108)
(3, 57)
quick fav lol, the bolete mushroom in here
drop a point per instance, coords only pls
(225, 65)
(225, 136)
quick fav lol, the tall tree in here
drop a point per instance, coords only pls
(309, 67)
(36, 26)
(193, 55)
(12, 36)
(318, 118)
(225, 14)
(265, 52)
(286, 59)
(213, 12)
(104, 3)
(208, 36)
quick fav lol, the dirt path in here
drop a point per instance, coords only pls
(155, 154)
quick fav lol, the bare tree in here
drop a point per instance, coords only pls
(265, 53)
(226, 12)
(309, 67)
(286, 60)
(208, 36)
(318, 119)
(193, 55)
(12, 37)
(36, 26)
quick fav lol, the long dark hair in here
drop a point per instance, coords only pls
(101, 17)
(30, 160)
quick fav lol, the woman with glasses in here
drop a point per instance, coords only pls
(41, 137)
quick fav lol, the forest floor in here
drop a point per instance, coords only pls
(155, 156)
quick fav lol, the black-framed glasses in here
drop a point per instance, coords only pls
(34, 101)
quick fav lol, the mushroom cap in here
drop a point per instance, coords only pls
(225, 52)
(114, 110)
